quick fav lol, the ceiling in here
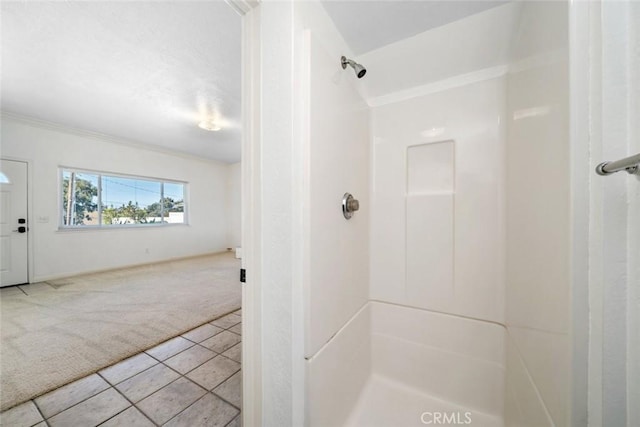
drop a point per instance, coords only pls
(368, 25)
(146, 72)
(478, 43)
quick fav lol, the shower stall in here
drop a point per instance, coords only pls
(430, 243)
(445, 299)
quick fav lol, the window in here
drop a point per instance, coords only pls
(91, 199)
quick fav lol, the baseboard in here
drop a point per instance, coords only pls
(38, 279)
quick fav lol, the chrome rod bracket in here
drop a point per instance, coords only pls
(630, 164)
(600, 169)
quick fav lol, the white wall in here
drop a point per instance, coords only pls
(438, 238)
(452, 358)
(334, 142)
(633, 254)
(532, 398)
(337, 161)
(233, 205)
(382, 344)
(409, 66)
(59, 253)
(614, 233)
(538, 219)
(275, 190)
(344, 364)
(450, 256)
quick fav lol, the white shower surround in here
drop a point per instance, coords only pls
(435, 343)
(391, 372)
(385, 347)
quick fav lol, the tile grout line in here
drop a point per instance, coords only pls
(208, 360)
(237, 416)
(188, 379)
(197, 400)
(166, 385)
(207, 391)
(162, 362)
(200, 344)
(128, 378)
(194, 382)
(40, 412)
(78, 403)
(132, 404)
(155, 391)
(75, 404)
(201, 397)
(110, 385)
(195, 342)
(181, 336)
(130, 401)
(192, 341)
(113, 386)
(222, 398)
(216, 354)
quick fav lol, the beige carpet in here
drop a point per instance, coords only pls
(76, 326)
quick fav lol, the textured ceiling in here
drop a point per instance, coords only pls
(147, 72)
(368, 25)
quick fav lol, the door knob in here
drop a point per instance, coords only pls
(20, 230)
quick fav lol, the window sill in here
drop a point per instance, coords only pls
(116, 227)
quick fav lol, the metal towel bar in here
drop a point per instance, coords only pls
(630, 164)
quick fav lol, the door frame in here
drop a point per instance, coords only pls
(29, 163)
(272, 214)
(601, 209)
(580, 175)
(250, 213)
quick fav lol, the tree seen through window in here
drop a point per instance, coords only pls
(97, 199)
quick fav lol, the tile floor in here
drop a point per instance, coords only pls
(189, 381)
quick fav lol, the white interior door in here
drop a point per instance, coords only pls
(13, 223)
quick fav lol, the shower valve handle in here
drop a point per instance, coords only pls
(349, 205)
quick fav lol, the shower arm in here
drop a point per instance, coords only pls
(347, 61)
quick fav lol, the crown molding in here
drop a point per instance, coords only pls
(439, 86)
(242, 7)
(56, 127)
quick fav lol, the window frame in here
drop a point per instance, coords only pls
(100, 226)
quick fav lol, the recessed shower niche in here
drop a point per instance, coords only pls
(430, 168)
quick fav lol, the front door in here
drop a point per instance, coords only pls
(13, 223)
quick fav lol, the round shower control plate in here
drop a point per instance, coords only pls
(349, 205)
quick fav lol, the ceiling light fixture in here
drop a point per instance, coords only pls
(210, 125)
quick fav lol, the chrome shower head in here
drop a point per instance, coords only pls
(359, 69)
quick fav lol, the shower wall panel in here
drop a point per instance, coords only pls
(429, 221)
(437, 231)
(429, 235)
(538, 219)
(338, 162)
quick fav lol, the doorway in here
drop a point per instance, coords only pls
(14, 265)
